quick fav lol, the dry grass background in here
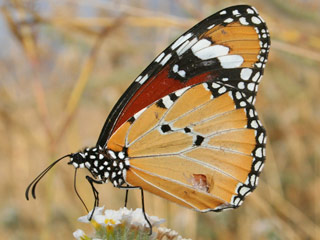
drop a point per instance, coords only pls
(65, 63)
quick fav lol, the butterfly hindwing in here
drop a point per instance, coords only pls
(229, 48)
(201, 146)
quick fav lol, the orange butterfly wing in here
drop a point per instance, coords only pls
(202, 150)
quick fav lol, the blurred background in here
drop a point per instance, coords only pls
(64, 64)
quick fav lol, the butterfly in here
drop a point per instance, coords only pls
(186, 129)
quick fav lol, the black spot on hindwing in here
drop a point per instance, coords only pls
(198, 141)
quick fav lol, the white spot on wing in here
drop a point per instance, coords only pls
(250, 11)
(235, 12)
(257, 165)
(243, 103)
(158, 59)
(259, 152)
(181, 91)
(167, 102)
(259, 65)
(256, 77)
(144, 79)
(251, 113)
(250, 86)
(253, 180)
(138, 79)
(222, 90)
(212, 52)
(216, 85)
(175, 68)
(243, 21)
(203, 43)
(245, 73)
(165, 59)
(137, 115)
(241, 85)
(183, 48)
(261, 137)
(180, 40)
(228, 20)
(231, 61)
(254, 124)
(244, 190)
(255, 20)
(257, 181)
(182, 73)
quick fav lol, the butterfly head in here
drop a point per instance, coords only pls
(85, 157)
(77, 160)
(88, 157)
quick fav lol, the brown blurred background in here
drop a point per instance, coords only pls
(63, 66)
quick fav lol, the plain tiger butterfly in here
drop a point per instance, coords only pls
(186, 129)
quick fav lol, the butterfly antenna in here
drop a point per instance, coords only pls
(34, 183)
(75, 189)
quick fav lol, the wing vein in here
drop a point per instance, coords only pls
(173, 181)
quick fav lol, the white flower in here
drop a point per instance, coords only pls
(78, 234)
(123, 221)
(137, 219)
(172, 234)
(181, 238)
(164, 230)
(110, 217)
(97, 212)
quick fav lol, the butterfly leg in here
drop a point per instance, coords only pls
(142, 203)
(126, 198)
(95, 194)
(76, 191)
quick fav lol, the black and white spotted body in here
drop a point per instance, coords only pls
(104, 165)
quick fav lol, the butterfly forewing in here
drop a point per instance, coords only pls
(229, 48)
(207, 157)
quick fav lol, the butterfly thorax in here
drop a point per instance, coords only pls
(103, 164)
